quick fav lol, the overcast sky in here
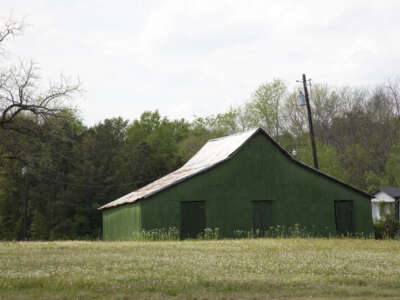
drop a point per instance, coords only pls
(188, 58)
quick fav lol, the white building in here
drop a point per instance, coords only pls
(386, 200)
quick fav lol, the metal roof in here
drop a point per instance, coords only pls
(390, 190)
(214, 152)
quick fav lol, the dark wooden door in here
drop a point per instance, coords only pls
(193, 219)
(262, 215)
(344, 217)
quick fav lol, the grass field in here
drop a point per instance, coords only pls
(224, 269)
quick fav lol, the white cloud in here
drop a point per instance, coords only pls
(198, 57)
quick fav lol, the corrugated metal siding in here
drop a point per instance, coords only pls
(212, 153)
(121, 223)
(259, 172)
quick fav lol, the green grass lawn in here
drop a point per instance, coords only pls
(224, 269)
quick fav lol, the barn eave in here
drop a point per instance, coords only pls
(172, 183)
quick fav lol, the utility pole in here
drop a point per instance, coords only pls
(314, 149)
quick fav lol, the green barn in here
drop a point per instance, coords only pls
(241, 182)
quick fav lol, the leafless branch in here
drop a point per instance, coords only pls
(10, 27)
(393, 86)
(20, 91)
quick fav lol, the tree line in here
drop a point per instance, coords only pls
(60, 171)
(55, 171)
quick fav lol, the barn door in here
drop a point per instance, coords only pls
(344, 217)
(193, 219)
(262, 215)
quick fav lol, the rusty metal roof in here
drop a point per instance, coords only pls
(212, 153)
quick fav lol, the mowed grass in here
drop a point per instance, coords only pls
(223, 269)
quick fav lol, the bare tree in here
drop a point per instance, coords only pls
(393, 87)
(21, 90)
(294, 116)
(10, 28)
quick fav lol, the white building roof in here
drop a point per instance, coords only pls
(212, 153)
(382, 197)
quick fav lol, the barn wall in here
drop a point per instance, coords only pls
(120, 223)
(258, 172)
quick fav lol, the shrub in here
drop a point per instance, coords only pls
(278, 231)
(157, 234)
(387, 229)
(209, 234)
